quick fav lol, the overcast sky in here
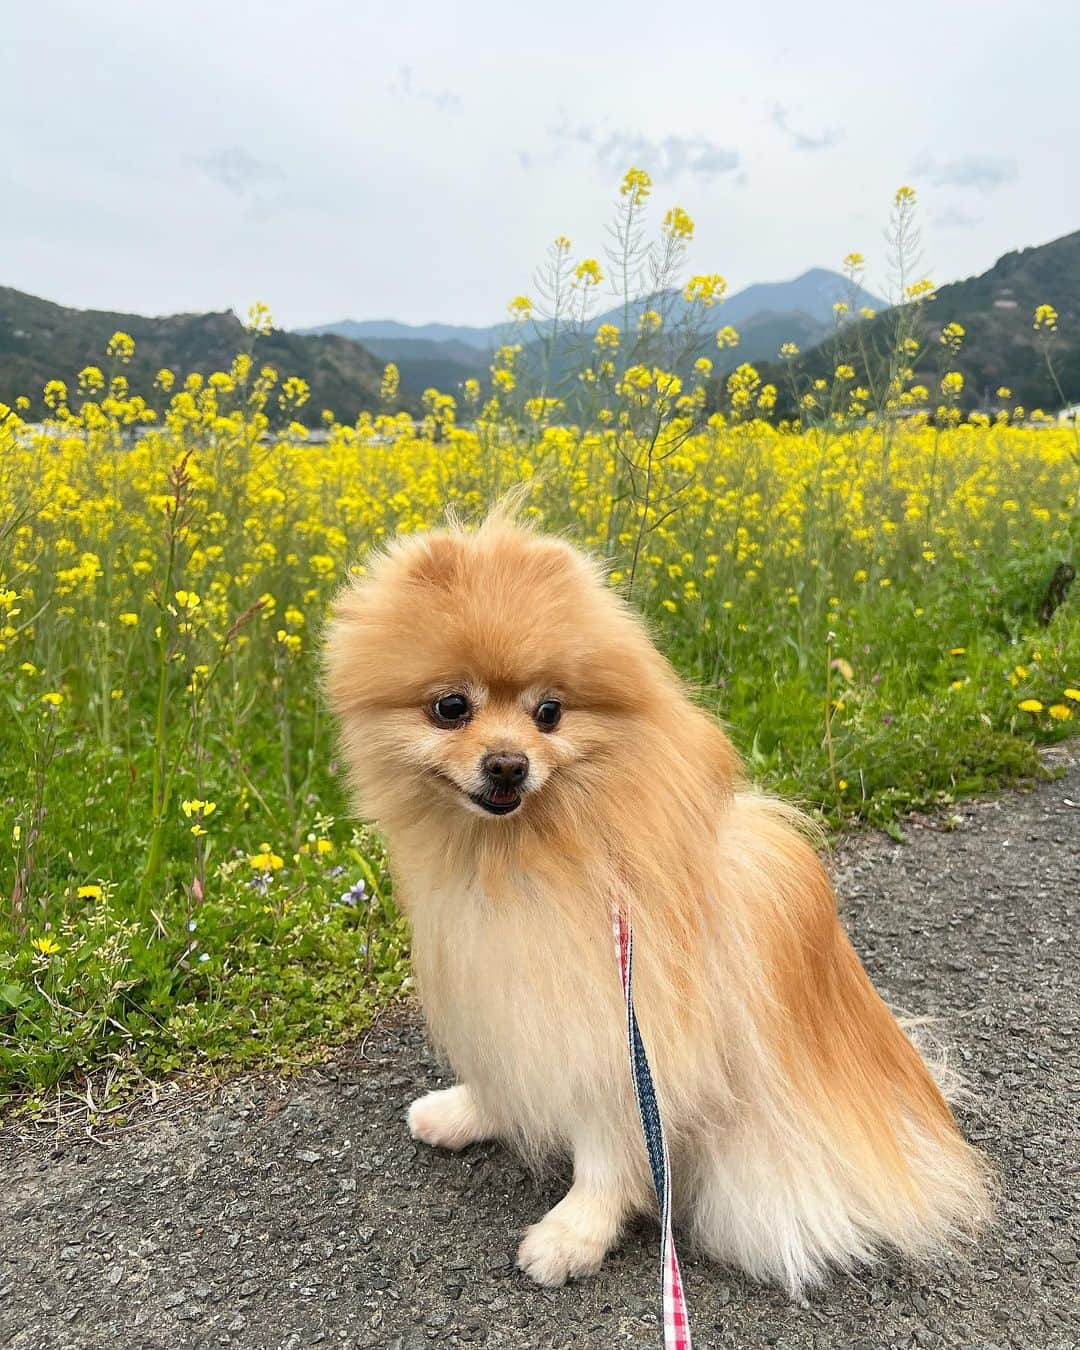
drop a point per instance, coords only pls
(343, 158)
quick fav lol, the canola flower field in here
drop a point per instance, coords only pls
(181, 884)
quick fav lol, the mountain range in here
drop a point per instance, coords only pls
(40, 341)
(1000, 346)
(765, 314)
(343, 362)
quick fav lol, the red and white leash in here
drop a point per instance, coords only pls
(673, 1301)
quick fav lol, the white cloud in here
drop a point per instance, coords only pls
(823, 140)
(981, 172)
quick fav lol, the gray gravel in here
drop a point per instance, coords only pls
(299, 1213)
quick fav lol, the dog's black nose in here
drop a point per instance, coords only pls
(506, 767)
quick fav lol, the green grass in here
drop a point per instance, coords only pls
(271, 966)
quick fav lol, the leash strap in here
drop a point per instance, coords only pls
(673, 1302)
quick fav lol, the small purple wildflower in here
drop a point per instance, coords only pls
(355, 894)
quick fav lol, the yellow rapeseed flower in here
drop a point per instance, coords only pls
(1046, 319)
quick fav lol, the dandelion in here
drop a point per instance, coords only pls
(92, 892)
(45, 946)
(1060, 712)
(53, 699)
(1030, 705)
(1073, 694)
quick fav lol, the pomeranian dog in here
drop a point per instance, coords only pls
(533, 760)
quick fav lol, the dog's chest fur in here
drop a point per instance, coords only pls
(522, 994)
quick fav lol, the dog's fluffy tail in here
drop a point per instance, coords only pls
(843, 1143)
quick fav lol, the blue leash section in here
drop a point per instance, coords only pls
(676, 1320)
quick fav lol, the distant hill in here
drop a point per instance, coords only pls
(811, 295)
(428, 364)
(360, 330)
(40, 341)
(766, 314)
(996, 310)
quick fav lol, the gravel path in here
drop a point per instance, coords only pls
(299, 1213)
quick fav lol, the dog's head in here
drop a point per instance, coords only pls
(483, 671)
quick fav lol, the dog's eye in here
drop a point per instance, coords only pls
(548, 714)
(451, 710)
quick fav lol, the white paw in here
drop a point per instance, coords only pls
(553, 1251)
(445, 1119)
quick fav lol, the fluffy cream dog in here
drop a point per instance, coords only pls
(532, 759)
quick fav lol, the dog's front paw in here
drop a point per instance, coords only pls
(446, 1119)
(554, 1251)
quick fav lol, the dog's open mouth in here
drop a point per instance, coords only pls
(500, 801)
